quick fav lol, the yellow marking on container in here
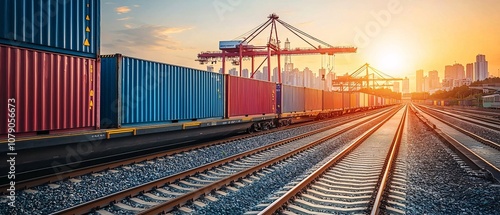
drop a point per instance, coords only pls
(86, 42)
(247, 118)
(190, 124)
(91, 104)
(91, 92)
(87, 17)
(120, 131)
(87, 29)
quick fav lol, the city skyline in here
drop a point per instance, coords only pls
(397, 37)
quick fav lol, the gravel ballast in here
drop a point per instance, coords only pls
(438, 184)
(47, 199)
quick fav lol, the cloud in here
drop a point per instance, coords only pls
(126, 18)
(122, 9)
(136, 5)
(145, 37)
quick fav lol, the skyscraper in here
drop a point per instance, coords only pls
(395, 87)
(210, 68)
(433, 80)
(420, 80)
(480, 68)
(406, 85)
(469, 71)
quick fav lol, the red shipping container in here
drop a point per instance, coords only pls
(314, 99)
(371, 101)
(337, 101)
(52, 92)
(250, 97)
(328, 100)
(346, 97)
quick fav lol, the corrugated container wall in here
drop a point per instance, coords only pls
(366, 103)
(137, 91)
(371, 100)
(250, 97)
(51, 91)
(354, 100)
(64, 26)
(314, 99)
(346, 97)
(337, 101)
(293, 99)
(328, 100)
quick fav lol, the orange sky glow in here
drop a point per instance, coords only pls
(397, 37)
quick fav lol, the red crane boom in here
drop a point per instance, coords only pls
(272, 48)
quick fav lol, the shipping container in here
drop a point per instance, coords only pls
(247, 96)
(367, 100)
(346, 97)
(337, 101)
(293, 99)
(136, 91)
(354, 100)
(313, 99)
(50, 92)
(371, 100)
(328, 100)
(62, 26)
(230, 44)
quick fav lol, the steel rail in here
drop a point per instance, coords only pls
(106, 200)
(51, 178)
(392, 155)
(468, 133)
(304, 184)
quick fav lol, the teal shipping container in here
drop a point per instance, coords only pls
(137, 92)
(70, 27)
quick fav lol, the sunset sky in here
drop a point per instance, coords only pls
(397, 37)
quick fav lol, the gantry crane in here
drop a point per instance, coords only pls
(243, 50)
(362, 77)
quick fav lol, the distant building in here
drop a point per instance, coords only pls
(265, 73)
(433, 80)
(469, 71)
(454, 72)
(427, 84)
(406, 85)
(233, 72)
(210, 68)
(419, 81)
(275, 75)
(395, 87)
(245, 73)
(480, 68)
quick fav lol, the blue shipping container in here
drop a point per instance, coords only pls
(136, 91)
(69, 27)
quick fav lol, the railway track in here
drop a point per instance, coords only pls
(42, 176)
(171, 192)
(354, 181)
(464, 131)
(479, 153)
(487, 122)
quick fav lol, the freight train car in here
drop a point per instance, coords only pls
(491, 101)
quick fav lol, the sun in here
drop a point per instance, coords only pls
(390, 57)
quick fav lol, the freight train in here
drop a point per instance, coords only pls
(58, 86)
(491, 101)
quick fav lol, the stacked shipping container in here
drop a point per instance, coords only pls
(49, 64)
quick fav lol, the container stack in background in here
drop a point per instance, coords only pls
(49, 64)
